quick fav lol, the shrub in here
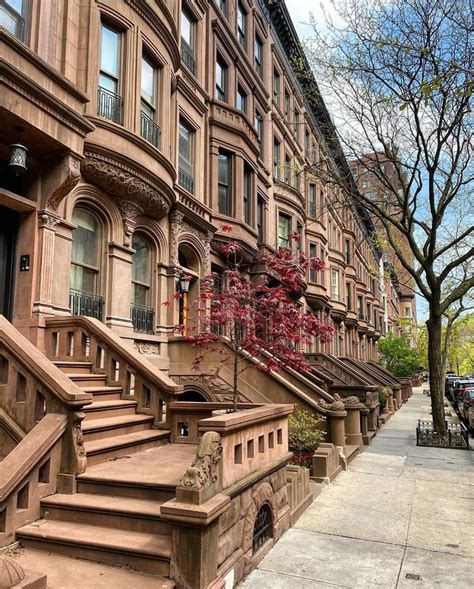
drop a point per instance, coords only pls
(304, 436)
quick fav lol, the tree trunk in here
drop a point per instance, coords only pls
(235, 392)
(436, 370)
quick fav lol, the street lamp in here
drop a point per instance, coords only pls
(183, 284)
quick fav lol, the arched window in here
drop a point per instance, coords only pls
(85, 265)
(142, 314)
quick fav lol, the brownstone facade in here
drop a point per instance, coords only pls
(148, 127)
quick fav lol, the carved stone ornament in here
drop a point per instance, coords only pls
(147, 348)
(203, 470)
(11, 572)
(130, 211)
(123, 184)
(334, 406)
(180, 227)
(48, 220)
(78, 442)
(351, 401)
(71, 174)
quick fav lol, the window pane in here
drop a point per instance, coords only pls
(83, 279)
(140, 260)
(241, 100)
(108, 83)
(16, 5)
(185, 149)
(148, 82)
(8, 21)
(223, 168)
(140, 294)
(85, 244)
(186, 29)
(109, 60)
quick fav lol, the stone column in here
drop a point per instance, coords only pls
(352, 426)
(119, 281)
(364, 426)
(390, 406)
(47, 222)
(336, 427)
(398, 396)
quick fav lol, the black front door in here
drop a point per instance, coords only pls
(9, 221)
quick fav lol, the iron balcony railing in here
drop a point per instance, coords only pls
(149, 130)
(187, 56)
(143, 318)
(109, 105)
(86, 303)
(186, 181)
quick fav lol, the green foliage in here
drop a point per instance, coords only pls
(383, 394)
(303, 433)
(398, 356)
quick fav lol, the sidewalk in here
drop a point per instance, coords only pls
(401, 516)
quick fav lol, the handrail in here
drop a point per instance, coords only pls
(30, 450)
(116, 343)
(46, 372)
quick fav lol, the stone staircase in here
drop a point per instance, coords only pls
(115, 520)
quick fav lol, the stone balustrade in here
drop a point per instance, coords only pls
(84, 339)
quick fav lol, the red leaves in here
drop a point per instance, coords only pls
(253, 316)
(166, 304)
(226, 228)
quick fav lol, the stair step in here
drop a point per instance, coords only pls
(103, 393)
(124, 513)
(88, 380)
(100, 409)
(117, 446)
(139, 550)
(74, 367)
(98, 429)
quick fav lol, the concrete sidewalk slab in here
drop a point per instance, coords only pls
(271, 580)
(435, 572)
(329, 559)
(357, 522)
(453, 537)
(379, 464)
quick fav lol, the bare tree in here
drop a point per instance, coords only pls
(399, 77)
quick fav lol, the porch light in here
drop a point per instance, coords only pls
(184, 283)
(18, 153)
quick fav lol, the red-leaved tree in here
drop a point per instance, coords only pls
(257, 317)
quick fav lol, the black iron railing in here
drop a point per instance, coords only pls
(86, 303)
(109, 105)
(143, 318)
(187, 56)
(149, 130)
(263, 528)
(186, 181)
(456, 436)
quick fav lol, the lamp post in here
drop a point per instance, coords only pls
(183, 285)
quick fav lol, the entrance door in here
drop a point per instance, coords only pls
(9, 221)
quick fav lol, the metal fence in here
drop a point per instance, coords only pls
(456, 436)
